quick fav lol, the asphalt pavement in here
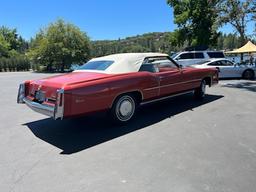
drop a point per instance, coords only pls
(178, 145)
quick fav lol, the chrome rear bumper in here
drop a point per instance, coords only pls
(40, 108)
(56, 111)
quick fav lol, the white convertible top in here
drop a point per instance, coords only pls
(124, 62)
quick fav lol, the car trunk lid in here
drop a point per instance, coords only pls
(50, 85)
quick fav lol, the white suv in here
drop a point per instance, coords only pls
(187, 58)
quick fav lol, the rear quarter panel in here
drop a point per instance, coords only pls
(99, 95)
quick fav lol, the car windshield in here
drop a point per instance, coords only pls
(174, 55)
(96, 65)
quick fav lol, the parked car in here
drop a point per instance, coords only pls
(116, 83)
(187, 58)
(228, 69)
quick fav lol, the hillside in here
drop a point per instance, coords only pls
(150, 42)
(153, 42)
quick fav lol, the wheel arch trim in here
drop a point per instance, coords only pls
(126, 92)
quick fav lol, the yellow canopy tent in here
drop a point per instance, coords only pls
(247, 48)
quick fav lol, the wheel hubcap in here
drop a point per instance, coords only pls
(125, 108)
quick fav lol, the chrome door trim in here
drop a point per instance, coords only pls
(167, 97)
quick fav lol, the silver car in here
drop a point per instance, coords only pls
(228, 69)
(187, 58)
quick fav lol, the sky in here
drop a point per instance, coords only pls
(100, 19)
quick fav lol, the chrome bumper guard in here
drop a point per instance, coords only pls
(56, 112)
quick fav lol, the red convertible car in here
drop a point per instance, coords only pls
(116, 83)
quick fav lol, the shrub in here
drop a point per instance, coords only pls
(1, 65)
(19, 63)
(37, 68)
(4, 64)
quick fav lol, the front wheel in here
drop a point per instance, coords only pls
(200, 92)
(123, 109)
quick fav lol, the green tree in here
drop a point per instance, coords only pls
(23, 45)
(238, 14)
(60, 45)
(135, 49)
(10, 41)
(11, 36)
(196, 20)
(4, 47)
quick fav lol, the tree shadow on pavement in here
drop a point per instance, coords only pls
(248, 85)
(75, 135)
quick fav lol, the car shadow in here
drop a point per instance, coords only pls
(75, 135)
(248, 85)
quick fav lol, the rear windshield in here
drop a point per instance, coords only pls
(96, 65)
(216, 54)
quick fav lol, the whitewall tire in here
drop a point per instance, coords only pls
(201, 91)
(123, 109)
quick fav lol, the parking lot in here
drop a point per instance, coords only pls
(179, 145)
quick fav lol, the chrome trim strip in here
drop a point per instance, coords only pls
(148, 89)
(40, 108)
(130, 91)
(181, 83)
(167, 97)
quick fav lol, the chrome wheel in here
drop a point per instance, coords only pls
(125, 108)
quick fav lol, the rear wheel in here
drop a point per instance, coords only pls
(248, 74)
(200, 92)
(123, 109)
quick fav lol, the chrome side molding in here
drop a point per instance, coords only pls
(167, 97)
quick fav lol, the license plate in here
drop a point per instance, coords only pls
(40, 96)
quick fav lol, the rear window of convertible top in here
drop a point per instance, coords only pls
(96, 65)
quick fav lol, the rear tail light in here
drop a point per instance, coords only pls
(59, 106)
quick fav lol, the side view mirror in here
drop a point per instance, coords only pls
(180, 66)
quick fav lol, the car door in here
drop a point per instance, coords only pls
(168, 74)
(190, 58)
(220, 67)
(169, 82)
(185, 59)
(228, 69)
(191, 78)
